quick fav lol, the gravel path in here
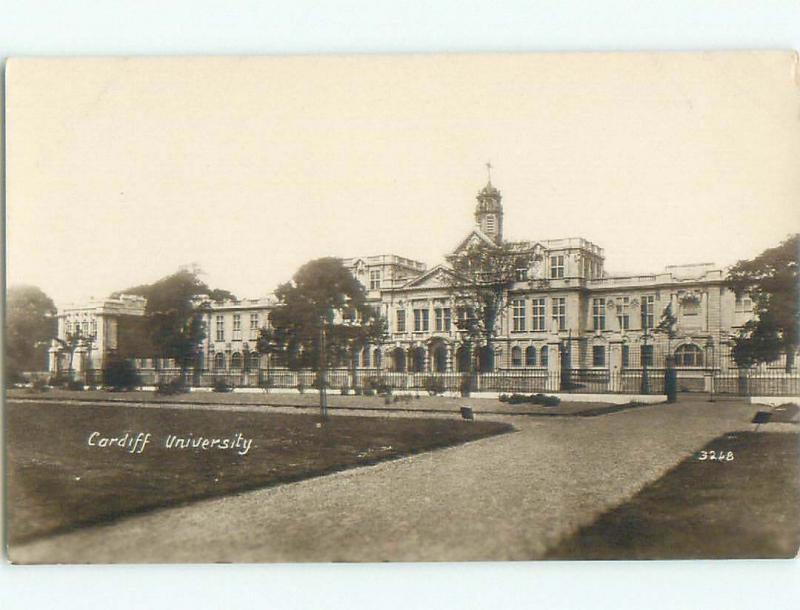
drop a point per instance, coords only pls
(502, 498)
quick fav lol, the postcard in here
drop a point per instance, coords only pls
(402, 308)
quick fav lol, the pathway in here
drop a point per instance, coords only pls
(503, 498)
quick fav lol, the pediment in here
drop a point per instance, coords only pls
(473, 238)
(438, 277)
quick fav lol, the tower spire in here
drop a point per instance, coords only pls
(489, 170)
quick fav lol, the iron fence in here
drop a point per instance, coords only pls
(645, 380)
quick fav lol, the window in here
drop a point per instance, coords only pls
(374, 279)
(626, 356)
(85, 328)
(254, 326)
(255, 361)
(365, 358)
(688, 355)
(219, 361)
(421, 322)
(648, 311)
(518, 310)
(624, 321)
(401, 321)
(690, 308)
(539, 321)
(490, 224)
(598, 355)
(744, 303)
(442, 319)
(560, 312)
(237, 327)
(236, 360)
(376, 357)
(516, 356)
(557, 266)
(94, 327)
(220, 329)
(521, 274)
(543, 356)
(530, 356)
(647, 355)
(599, 314)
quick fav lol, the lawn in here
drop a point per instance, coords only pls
(422, 403)
(745, 507)
(57, 481)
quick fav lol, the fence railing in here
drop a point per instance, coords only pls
(578, 381)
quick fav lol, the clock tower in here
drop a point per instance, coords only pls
(489, 211)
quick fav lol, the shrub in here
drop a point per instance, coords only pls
(39, 385)
(345, 390)
(57, 381)
(538, 399)
(221, 386)
(121, 375)
(503, 398)
(169, 388)
(369, 392)
(358, 391)
(75, 385)
(434, 385)
(378, 386)
(551, 401)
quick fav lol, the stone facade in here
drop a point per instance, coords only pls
(565, 311)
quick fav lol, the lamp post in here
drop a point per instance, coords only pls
(645, 387)
(323, 364)
(710, 358)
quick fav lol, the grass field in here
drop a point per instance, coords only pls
(423, 403)
(745, 507)
(57, 481)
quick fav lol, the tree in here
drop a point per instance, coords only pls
(482, 276)
(667, 326)
(30, 325)
(270, 341)
(174, 317)
(771, 281)
(323, 296)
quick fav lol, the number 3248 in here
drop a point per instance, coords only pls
(716, 456)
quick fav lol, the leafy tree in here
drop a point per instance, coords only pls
(667, 325)
(324, 296)
(482, 276)
(30, 325)
(270, 341)
(771, 281)
(174, 317)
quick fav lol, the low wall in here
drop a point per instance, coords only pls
(773, 401)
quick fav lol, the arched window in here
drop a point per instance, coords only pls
(530, 356)
(376, 357)
(543, 358)
(365, 358)
(236, 360)
(463, 357)
(516, 356)
(440, 359)
(399, 360)
(255, 361)
(219, 360)
(417, 357)
(688, 355)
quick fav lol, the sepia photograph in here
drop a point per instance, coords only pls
(402, 308)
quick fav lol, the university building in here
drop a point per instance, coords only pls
(565, 312)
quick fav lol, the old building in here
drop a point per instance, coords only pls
(565, 311)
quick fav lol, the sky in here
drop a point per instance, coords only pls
(121, 170)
